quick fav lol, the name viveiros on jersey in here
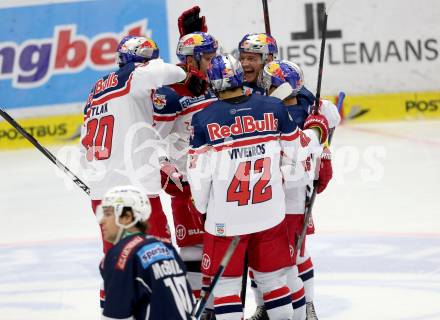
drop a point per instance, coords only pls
(247, 152)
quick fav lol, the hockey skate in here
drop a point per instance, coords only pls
(260, 314)
(310, 311)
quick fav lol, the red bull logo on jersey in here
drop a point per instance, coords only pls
(33, 62)
(242, 125)
(104, 84)
(159, 100)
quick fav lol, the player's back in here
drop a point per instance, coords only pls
(145, 278)
(119, 140)
(243, 140)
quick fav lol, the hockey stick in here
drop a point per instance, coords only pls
(341, 98)
(308, 213)
(46, 152)
(321, 63)
(244, 280)
(266, 17)
(200, 306)
(315, 108)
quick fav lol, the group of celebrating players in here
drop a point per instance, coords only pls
(235, 145)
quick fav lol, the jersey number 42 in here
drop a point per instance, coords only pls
(239, 188)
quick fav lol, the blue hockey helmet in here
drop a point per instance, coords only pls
(195, 44)
(136, 49)
(259, 43)
(277, 72)
(225, 72)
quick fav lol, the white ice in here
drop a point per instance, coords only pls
(376, 249)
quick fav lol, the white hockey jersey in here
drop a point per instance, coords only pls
(117, 139)
(174, 107)
(239, 154)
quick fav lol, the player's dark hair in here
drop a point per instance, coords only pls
(142, 226)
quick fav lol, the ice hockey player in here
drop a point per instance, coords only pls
(117, 140)
(174, 107)
(144, 278)
(257, 49)
(284, 80)
(237, 147)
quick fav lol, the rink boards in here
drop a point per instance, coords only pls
(65, 129)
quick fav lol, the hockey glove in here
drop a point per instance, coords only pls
(196, 81)
(190, 21)
(170, 178)
(325, 170)
(319, 122)
(330, 112)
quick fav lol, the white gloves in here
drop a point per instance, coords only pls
(330, 112)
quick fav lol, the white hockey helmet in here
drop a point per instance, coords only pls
(130, 197)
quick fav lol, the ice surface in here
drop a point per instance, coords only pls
(376, 250)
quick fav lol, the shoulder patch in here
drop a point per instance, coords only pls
(159, 100)
(154, 252)
(126, 252)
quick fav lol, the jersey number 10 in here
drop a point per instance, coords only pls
(239, 189)
(98, 139)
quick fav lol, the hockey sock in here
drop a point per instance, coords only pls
(228, 308)
(299, 305)
(296, 287)
(306, 273)
(278, 303)
(194, 276)
(257, 292)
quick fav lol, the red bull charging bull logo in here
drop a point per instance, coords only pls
(275, 70)
(193, 40)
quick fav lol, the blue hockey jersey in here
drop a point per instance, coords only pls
(145, 278)
(239, 150)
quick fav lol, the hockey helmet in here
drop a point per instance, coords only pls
(195, 44)
(126, 197)
(259, 43)
(277, 72)
(136, 49)
(225, 72)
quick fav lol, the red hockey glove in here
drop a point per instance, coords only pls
(319, 122)
(196, 81)
(190, 21)
(170, 178)
(325, 170)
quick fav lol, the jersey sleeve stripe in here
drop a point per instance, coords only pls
(198, 106)
(291, 136)
(163, 118)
